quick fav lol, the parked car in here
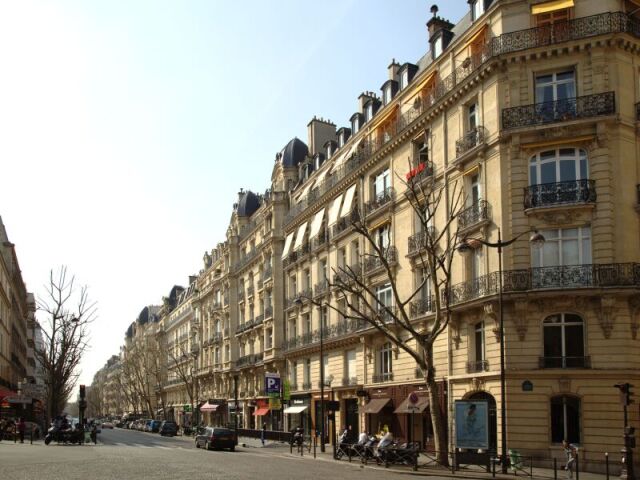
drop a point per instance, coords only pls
(169, 428)
(147, 425)
(213, 438)
(155, 426)
(107, 425)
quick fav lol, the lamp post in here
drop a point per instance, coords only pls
(464, 247)
(298, 302)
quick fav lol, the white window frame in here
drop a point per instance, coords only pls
(478, 9)
(579, 157)
(562, 236)
(404, 79)
(554, 83)
(385, 361)
(438, 46)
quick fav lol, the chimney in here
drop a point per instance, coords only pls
(393, 70)
(438, 26)
(192, 278)
(319, 131)
(363, 99)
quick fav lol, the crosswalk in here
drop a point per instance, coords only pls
(142, 445)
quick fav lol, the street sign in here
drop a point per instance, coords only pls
(413, 402)
(272, 384)
(274, 403)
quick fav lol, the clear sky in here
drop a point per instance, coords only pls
(127, 127)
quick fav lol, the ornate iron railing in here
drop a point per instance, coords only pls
(540, 278)
(478, 366)
(320, 288)
(564, 362)
(380, 200)
(587, 106)
(383, 377)
(418, 241)
(320, 240)
(584, 27)
(346, 277)
(340, 329)
(374, 262)
(259, 320)
(473, 138)
(423, 171)
(345, 223)
(421, 307)
(476, 213)
(306, 386)
(250, 291)
(559, 193)
(268, 312)
(349, 381)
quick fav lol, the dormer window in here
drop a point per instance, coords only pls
(477, 9)
(341, 140)
(404, 79)
(437, 47)
(387, 94)
(369, 112)
(329, 151)
(355, 125)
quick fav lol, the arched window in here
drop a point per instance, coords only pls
(558, 165)
(565, 419)
(564, 342)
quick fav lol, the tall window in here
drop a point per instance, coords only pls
(475, 193)
(325, 366)
(555, 86)
(565, 246)
(558, 165)
(387, 94)
(472, 116)
(385, 362)
(355, 252)
(307, 278)
(565, 419)
(342, 257)
(477, 9)
(293, 329)
(269, 336)
(227, 353)
(355, 126)
(404, 79)
(383, 236)
(479, 345)
(293, 286)
(381, 184)
(322, 270)
(437, 47)
(369, 112)
(307, 371)
(544, 19)
(350, 366)
(306, 324)
(477, 260)
(564, 341)
(324, 316)
(384, 295)
(294, 372)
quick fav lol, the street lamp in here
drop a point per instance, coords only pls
(298, 302)
(465, 247)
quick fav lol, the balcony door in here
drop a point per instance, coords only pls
(558, 176)
(555, 96)
(564, 341)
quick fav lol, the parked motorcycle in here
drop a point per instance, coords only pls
(297, 438)
(60, 434)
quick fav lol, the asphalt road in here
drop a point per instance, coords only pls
(125, 454)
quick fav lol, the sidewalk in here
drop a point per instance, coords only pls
(280, 448)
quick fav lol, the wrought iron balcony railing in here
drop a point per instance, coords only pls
(250, 291)
(421, 307)
(540, 278)
(418, 241)
(259, 320)
(320, 288)
(337, 330)
(268, 312)
(346, 276)
(383, 377)
(320, 240)
(349, 381)
(373, 262)
(473, 138)
(345, 223)
(250, 359)
(423, 171)
(380, 200)
(473, 215)
(587, 106)
(306, 385)
(478, 366)
(290, 259)
(560, 193)
(565, 362)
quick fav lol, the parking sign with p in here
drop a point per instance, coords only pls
(272, 384)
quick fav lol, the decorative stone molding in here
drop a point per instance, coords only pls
(564, 385)
(520, 319)
(563, 216)
(606, 316)
(491, 316)
(476, 384)
(455, 331)
(634, 313)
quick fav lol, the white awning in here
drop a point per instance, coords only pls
(339, 160)
(316, 224)
(300, 235)
(296, 409)
(304, 191)
(287, 245)
(321, 176)
(347, 206)
(334, 210)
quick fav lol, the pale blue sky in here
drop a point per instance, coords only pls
(127, 127)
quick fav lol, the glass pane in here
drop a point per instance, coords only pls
(557, 421)
(544, 79)
(565, 76)
(586, 252)
(570, 254)
(564, 91)
(574, 342)
(567, 170)
(552, 342)
(550, 254)
(533, 175)
(544, 94)
(583, 169)
(548, 172)
(573, 419)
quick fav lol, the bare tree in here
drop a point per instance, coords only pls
(65, 333)
(395, 321)
(181, 362)
(138, 368)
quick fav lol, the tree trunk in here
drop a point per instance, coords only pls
(437, 418)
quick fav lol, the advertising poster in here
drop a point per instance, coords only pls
(472, 429)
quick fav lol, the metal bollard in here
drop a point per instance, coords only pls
(31, 437)
(555, 469)
(493, 467)
(315, 441)
(453, 462)
(15, 434)
(577, 468)
(606, 464)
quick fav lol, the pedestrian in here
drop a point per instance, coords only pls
(571, 451)
(263, 433)
(21, 427)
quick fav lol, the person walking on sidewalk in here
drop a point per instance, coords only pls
(263, 433)
(21, 427)
(571, 451)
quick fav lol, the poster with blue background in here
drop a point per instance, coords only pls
(472, 424)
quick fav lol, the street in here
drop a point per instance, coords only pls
(127, 454)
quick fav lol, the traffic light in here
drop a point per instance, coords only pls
(82, 391)
(625, 393)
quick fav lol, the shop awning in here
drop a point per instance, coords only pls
(300, 236)
(287, 245)
(552, 6)
(305, 190)
(406, 405)
(296, 409)
(316, 224)
(334, 211)
(261, 411)
(375, 405)
(209, 407)
(347, 206)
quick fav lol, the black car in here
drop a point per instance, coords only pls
(169, 428)
(213, 438)
(155, 426)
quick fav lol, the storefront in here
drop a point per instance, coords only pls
(214, 412)
(298, 413)
(236, 413)
(261, 413)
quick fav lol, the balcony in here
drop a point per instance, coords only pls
(290, 259)
(340, 329)
(476, 215)
(320, 240)
(268, 312)
(470, 140)
(346, 275)
(478, 366)
(250, 291)
(560, 193)
(373, 262)
(587, 106)
(349, 381)
(259, 320)
(421, 307)
(250, 359)
(345, 224)
(383, 377)
(423, 171)
(418, 241)
(564, 362)
(306, 386)
(267, 274)
(542, 278)
(320, 288)
(380, 200)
